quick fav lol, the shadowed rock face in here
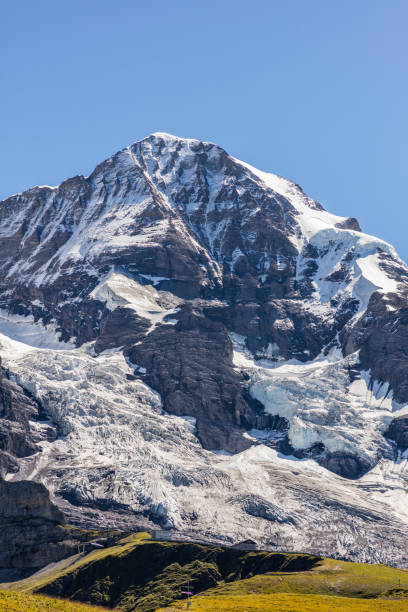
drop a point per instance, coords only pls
(345, 464)
(398, 432)
(17, 436)
(30, 526)
(122, 327)
(190, 365)
(382, 337)
(27, 499)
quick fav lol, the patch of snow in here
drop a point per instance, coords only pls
(118, 290)
(373, 273)
(241, 357)
(154, 279)
(322, 405)
(26, 332)
(191, 422)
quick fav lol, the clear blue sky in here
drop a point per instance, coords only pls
(316, 91)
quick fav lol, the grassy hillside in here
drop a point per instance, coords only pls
(326, 577)
(140, 574)
(283, 602)
(139, 571)
(150, 574)
(329, 585)
(74, 565)
(10, 601)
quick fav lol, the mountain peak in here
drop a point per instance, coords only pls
(164, 135)
(171, 138)
(178, 306)
(168, 137)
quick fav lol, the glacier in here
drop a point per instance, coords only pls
(116, 443)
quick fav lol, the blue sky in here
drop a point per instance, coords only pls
(313, 90)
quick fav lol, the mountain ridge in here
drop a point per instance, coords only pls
(185, 321)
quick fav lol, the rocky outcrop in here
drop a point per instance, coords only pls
(398, 433)
(350, 223)
(255, 505)
(120, 328)
(32, 531)
(381, 336)
(190, 365)
(345, 464)
(19, 434)
(27, 500)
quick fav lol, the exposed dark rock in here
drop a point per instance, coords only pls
(29, 499)
(17, 438)
(398, 432)
(344, 464)
(121, 327)
(31, 527)
(382, 337)
(340, 275)
(350, 223)
(271, 421)
(190, 365)
(254, 505)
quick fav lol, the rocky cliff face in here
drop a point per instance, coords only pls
(21, 427)
(177, 307)
(31, 532)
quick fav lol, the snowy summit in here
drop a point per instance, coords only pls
(196, 344)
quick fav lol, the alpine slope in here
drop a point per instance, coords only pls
(190, 343)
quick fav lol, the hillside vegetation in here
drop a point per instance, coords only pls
(330, 585)
(10, 601)
(284, 602)
(145, 575)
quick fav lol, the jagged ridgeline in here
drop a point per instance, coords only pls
(193, 344)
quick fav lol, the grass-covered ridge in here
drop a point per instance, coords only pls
(147, 574)
(144, 575)
(326, 577)
(329, 585)
(141, 574)
(287, 602)
(10, 601)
